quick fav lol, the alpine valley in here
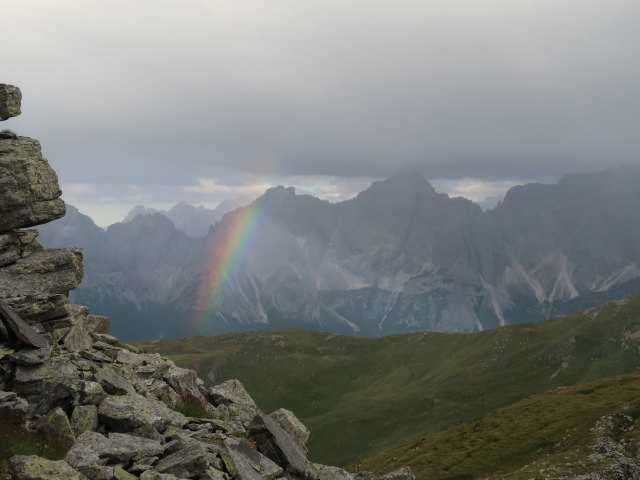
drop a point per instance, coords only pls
(399, 257)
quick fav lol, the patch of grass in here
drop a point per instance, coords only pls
(362, 395)
(15, 440)
(552, 428)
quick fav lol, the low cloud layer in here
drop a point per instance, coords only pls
(180, 93)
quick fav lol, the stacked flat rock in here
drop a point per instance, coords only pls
(116, 412)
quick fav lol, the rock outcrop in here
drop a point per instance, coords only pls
(113, 412)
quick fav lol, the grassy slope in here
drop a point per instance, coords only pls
(359, 395)
(545, 434)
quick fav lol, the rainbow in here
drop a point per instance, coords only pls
(231, 244)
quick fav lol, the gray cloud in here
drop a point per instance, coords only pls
(163, 92)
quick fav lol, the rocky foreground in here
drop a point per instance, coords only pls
(116, 412)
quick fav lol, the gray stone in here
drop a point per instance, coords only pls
(90, 393)
(121, 474)
(246, 463)
(214, 474)
(143, 464)
(10, 100)
(290, 424)
(134, 413)
(29, 185)
(326, 472)
(104, 337)
(183, 381)
(37, 286)
(97, 472)
(84, 418)
(238, 402)
(30, 356)
(37, 468)
(5, 351)
(113, 383)
(145, 371)
(154, 475)
(98, 324)
(78, 338)
(129, 358)
(56, 427)
(116, 448)
(404, 473)
(186, 462)
(95, 356)
(164, 392)
(278, 445)
(56, 368)
(18, 329)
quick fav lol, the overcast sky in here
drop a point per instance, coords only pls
(156, 101)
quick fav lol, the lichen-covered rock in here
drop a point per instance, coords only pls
(246, 463)
(142, 416)
(326, 472)
(235, 398)
(287, 420)
(112, 382)
(41, 278)
(30, 356)
(56, 426)
(186, 462)
(37, 468)
(84, 418)
(17, 330)
(61, 368)
(154, 475)
(98, 323)
(95, 448)
(10, 101)
(29, 186)
(279, 446)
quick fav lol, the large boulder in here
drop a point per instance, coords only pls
(37, 468)
(138, 415)
(95, 448)
(10, 101)
(233, 396)
(84, 418)
(279, 446)
(287, 420)
(31, 195)
(246, 463)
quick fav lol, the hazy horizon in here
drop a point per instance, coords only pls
(156, 102)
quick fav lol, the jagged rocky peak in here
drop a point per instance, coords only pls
(104, 410)
(403, 183)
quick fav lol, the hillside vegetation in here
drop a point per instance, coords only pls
(563, 432)
(378, 392)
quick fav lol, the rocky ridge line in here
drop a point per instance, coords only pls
(114, 410)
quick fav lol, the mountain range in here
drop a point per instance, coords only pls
(194, 221)
(398, 257)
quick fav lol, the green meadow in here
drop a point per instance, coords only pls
(360, 396)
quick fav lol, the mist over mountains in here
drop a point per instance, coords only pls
(398, 257)
(194, 221)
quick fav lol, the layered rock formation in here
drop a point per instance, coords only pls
(111, 411)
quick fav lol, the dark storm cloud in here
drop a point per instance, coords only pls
(167, 91)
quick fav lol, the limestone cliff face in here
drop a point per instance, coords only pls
(111, 412)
